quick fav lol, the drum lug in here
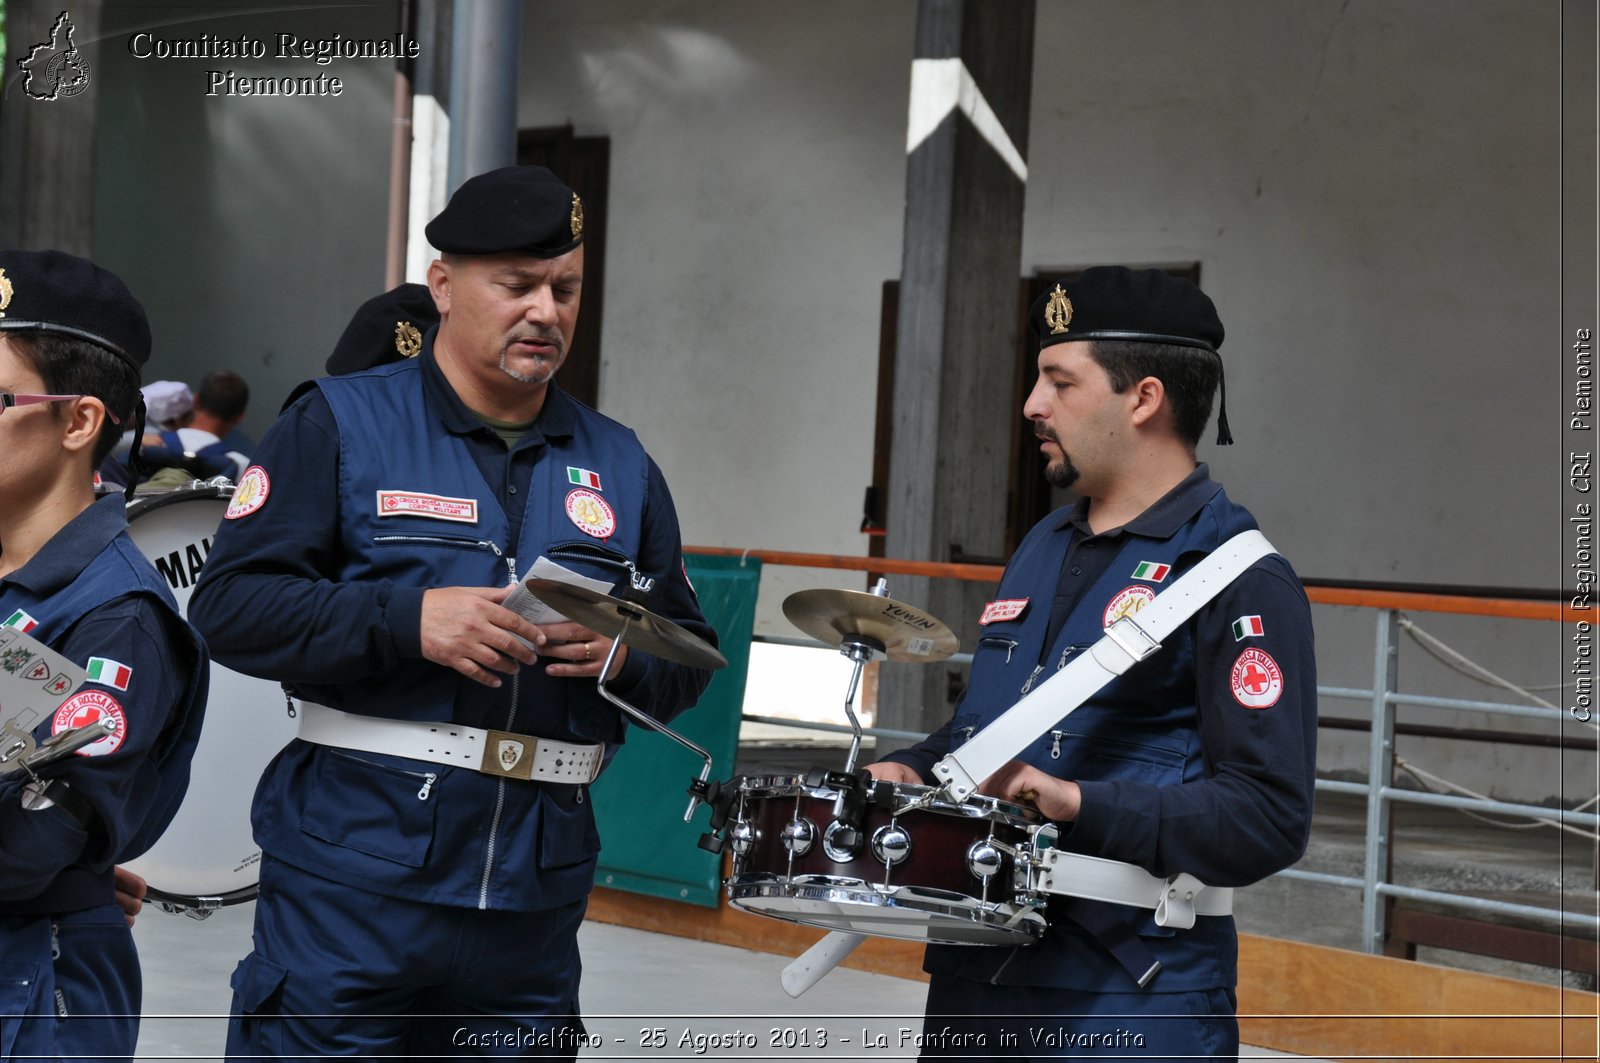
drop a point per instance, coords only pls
(841, 842)
(799, 834)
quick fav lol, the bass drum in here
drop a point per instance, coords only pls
(207, 858)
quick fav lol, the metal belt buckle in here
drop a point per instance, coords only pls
(508, 755)
(1133, 639)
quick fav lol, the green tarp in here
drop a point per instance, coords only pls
(646, 847)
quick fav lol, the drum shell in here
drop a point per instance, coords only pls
(937, 859)
(208, 857)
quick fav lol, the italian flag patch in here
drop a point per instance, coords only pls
(583, 477)
(108, 673)
(1154, 571)
(1247, 627)
(21, 621)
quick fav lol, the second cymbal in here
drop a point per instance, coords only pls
(903, 632)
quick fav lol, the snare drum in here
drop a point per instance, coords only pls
(207, 858)
(924, 869)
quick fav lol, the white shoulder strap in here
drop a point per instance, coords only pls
(1127, 642)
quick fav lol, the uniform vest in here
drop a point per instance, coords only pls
(1142, 726)
(414, 510)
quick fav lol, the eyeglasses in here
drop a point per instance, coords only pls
(9, 399)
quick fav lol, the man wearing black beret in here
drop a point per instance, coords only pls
(72, 339)
(412, 867)
(1193, 768)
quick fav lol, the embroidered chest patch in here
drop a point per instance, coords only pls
(591, 513)
(435, 507)
(1126, 602)
(1154, 571)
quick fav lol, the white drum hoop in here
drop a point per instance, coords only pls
(207, 858)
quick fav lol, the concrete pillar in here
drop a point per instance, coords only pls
(966, 175)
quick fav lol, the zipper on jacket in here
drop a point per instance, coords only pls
(1028, 683)
(999, 640)
(499, 807)
(1055, 745)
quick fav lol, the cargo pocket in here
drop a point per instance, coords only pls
(373, 808)
(567, 832)
(18, 984)
(257, 1002)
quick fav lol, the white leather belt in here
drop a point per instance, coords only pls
(501, 753)
(1176, 899)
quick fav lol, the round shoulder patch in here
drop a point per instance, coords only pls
(250, 495)
(591, 513)
(88, 707)
(1126, 602)
(1256, 679)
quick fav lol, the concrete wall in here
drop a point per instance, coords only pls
(1369, 188)
(251, 227)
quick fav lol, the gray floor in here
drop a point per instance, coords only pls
(693, 988)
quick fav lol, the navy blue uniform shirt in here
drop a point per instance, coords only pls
(132, 786)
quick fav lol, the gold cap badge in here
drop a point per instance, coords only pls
(5, 292)
(407, 340)
(577, 216)
(1058, 311)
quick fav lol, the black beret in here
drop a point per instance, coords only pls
(53, 291)
(516, 208)
(1115, 303)
(386, 328)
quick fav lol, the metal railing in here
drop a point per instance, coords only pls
(1383, 697)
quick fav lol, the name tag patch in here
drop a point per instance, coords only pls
(435, 507)
(1003, 609)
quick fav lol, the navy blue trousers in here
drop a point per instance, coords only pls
(338, 971)
(69, 986)
(976, 1020)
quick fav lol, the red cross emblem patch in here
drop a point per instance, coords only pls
(1256, 679)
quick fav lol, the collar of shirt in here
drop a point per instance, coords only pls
(71, 549)
(556, 419)
(1164, 517)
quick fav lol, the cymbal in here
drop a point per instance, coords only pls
(904, 632)
(647, 632)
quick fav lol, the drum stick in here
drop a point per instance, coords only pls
(808, 968)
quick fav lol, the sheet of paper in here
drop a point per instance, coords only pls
(34, 681)
(525, 603)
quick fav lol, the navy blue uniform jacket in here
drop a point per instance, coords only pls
(1201, 759)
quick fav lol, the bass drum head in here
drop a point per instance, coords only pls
(207, 857)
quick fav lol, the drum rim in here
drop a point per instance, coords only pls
(205, 489)
(203, 901)
(1020, 926)
(978, 806)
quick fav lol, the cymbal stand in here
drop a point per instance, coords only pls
(628, 617)
(859, 649)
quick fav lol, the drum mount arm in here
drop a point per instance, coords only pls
(698, 791)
